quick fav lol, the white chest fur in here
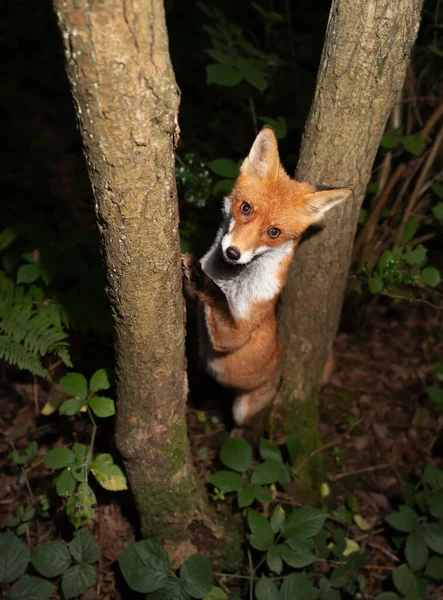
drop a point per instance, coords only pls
(257, 281)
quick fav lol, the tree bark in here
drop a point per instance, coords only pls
(127, 101)
(362, 68)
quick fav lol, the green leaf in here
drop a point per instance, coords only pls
(255, 78)
(404, 580)
(410, 230)
(297, 557)
(236, 454)
(196, 575)
(430, 276)
(433, 536)
(28, 273)
(416, 551)
(22, 528)
(223, 75)
(81, 505)
(262, 494)
(388, 596)
(376, 284)
(145, 566)
(274, 560)
(437, 188)
(109, 475)
(385, 259)
(262, 534)
(436, 395)
(51, 559)
(270, 451)
(14, 557)
(303, 523)
(101, 406)
(75, 384)
(245, 496)
(297, 586)
(405, 519)
(7, 237)
(83, 547)
(223, 187)
(352, 502)
(31, 588)
(389, 141)
(77, 580)
(173, 589)
(14, 521)
(28, 514)
(100, 380)
(434, 568)
(414, 144)
(416, 256)
(295, 447)
(58, 458)
(266, 589)
(435, 503)
(438, 210)
(267, 472)
(433, 477)
(226, 481)
(279, 125)
(225, 168)
(71, 407)
(277, 518)
(220, 57)
(216, 593)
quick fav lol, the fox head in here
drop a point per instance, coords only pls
(267, 210)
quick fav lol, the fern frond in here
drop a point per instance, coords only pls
(17, 355)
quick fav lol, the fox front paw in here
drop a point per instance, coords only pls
(192, 272)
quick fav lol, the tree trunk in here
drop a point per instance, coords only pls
(127, 102)
(362, 68)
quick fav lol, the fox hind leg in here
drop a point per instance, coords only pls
(248, 404)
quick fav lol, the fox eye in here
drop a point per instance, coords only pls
(274, 232)
(245, 208)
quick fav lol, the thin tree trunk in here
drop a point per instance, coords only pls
(127, 102)
(363, 65)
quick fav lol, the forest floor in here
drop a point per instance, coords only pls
(379, 381)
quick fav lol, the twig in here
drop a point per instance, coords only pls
(370, 534)
(421, 300)
(384, 551)
(358, 471)
(432, 121)
(251, 576)
(379, 568)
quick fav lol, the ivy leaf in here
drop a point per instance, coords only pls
(266, 589)
(267, 472)
(14, 557)
(51, 559)
(303, 523)
(31, 588)
(77, 580)
(226, 481)
(75, 384)
(224, 167)
(145, 566)
(223, 75)
(416, 551)
(59, 458)
(236, 454)
(100, 380)
(71, 407)
(270, 451)
(405, 519)
(196, 575)
(109, 475)
(262, 534)
(83, 547)
(101, 406)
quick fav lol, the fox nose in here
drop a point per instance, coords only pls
(233, 253)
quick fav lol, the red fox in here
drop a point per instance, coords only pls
(240, 278)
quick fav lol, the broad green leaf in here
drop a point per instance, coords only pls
(223, 75)
(270, 451)
(225, 168)
(432, 477)
(255, 78)
(81, 505)
(236, 454)
(385, 260)
(410, 230)
(389, 141)
(435, 503)
(223, 187)
(405, 519)
(7, 237)
(226, 481)
(303, 523)
(13, 522)
(245, 496)
(297, 586)
(51, 559)
(262, 534)
(430, 276)
(31, 588)
(352, 502)
(77, 580)
(28, 514)
(216, 593)
(388, 596)
(279, 125)
(404, 580)
(262, 494)
(295, 447)
(196, 575)
(101, 406)
(433, 536)
(277, 518)
(22, 529)
(438, 210)
(59, 458)
(28, 273)
(100, 380)
(267, 472)
(416, 256)
(416, 551)
(109, 475)
(414, 144)
(173, 589)
(71, 407)
(376, 284)
(220, 57)
(83, 547)
(14, 557)
(297, 558)
(145, 566)
(265, 589)
(75, 384)
(434, 568)
(274, 560)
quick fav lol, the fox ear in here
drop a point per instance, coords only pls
(263, 160)
(318, 203)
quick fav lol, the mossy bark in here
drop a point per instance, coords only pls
(127, 100)
(362, 68)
